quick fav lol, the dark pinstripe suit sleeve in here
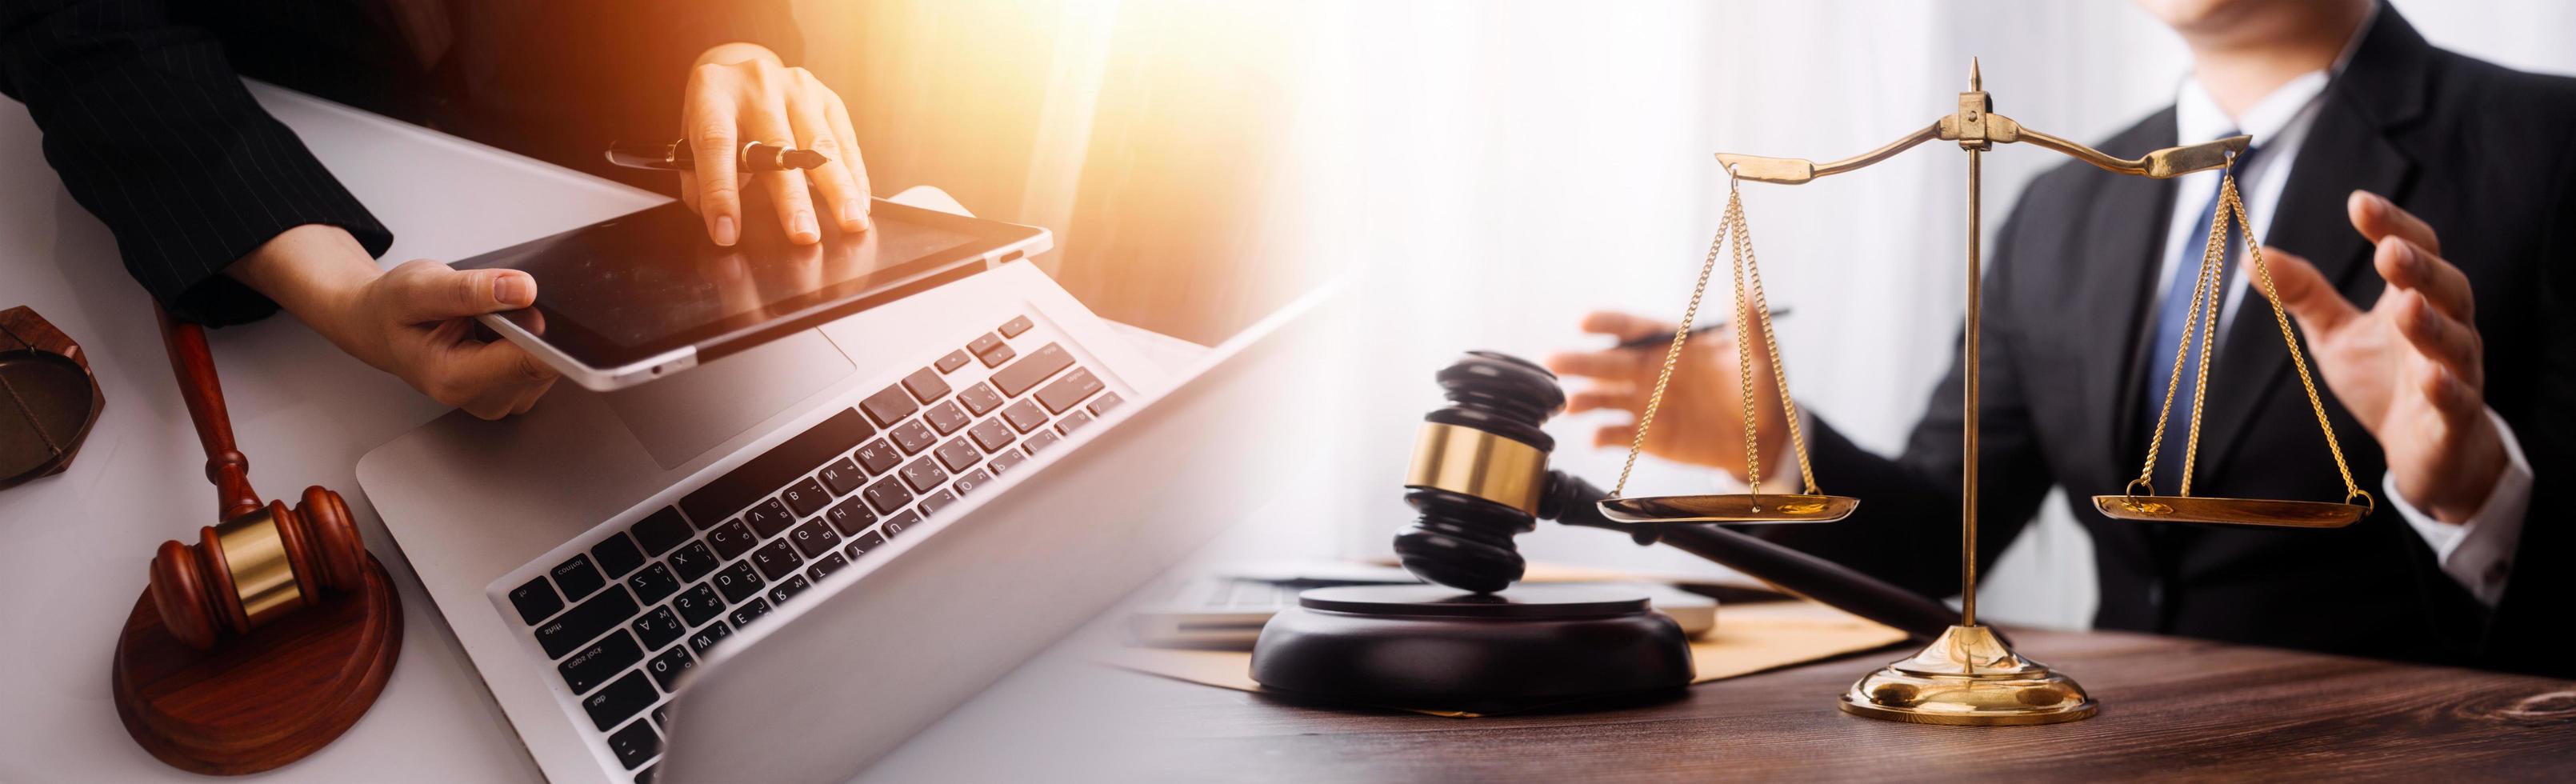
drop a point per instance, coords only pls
(152, 131)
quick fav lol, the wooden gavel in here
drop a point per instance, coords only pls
(262, 561)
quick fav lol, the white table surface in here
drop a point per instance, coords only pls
(78, 543)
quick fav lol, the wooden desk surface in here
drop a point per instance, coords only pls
(2171, 708)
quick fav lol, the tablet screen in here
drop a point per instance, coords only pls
(650, 281)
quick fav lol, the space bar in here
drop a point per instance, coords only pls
(782, 464)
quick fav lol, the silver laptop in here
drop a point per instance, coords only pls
(850, 506)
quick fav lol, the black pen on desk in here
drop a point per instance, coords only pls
(1666, 338)
(756, 156)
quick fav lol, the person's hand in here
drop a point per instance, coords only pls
(414, 321)
(1701, 421)
(2411, 368)
(740, 93)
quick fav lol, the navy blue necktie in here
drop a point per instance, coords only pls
(2170, 317)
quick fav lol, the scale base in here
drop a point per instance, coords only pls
(1968, 677)
(1426, 647)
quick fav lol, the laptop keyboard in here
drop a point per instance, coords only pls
(622, 621)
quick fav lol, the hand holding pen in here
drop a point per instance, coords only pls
(741, 100)
(1701, 420)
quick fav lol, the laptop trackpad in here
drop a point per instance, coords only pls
(679, 417)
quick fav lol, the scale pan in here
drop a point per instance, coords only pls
(2230, 511)
(1736, 508)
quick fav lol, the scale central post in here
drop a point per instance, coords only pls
(1970, 676)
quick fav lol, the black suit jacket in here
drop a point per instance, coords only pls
(2487, 156)
(145, 117)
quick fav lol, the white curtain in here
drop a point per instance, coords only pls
(1494, 169)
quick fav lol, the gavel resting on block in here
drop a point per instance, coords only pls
(1469, 641)
(267, 637)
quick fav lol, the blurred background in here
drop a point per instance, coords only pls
(1488, 171)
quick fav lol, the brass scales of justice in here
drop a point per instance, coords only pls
(1969, 676)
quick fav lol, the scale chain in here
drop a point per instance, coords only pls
(1681, 334)
(2203, 316)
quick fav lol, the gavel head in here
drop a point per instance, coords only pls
(256, 567)
(1479, 472)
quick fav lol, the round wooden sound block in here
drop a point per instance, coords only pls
(264, 699)
(1428, 647)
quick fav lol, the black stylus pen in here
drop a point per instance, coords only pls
(1666, 338)
(756, 156)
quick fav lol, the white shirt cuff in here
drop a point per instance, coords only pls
(2477, 553)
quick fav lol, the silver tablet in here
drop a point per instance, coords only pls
(645, 295)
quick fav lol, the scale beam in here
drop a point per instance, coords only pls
(1997, 129)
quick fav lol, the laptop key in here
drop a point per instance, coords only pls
(660, 531)
(900, 522)
(659, 627)
(586, 620)
(1067, 391)
(987, 342)
(923, 474)
(957, 455)
(980, 399)
(951, 362)
(945, 417)
(1013, 327)
(776, 560)
(925, 386)
(1072, 421)
(731, 539)
(767, 519)
(991, 434)
(780, 593)
(825, 566)
(1004, 462)
(1025, 374)
(744, 615)
(850, 516)
(699, 604)
(694, 561)
(888, 495)
(889, 405)
(997, 356)
(861, 544)
(913, 437)
(630, 695)
(843, 476)
(577, 577)
(738, 582)
(879, 457)
(1024, 416)
(1039, 441)
(535, 600)
(814, 538)
(932, 503)
(708, 637)
(757, 478)
(806, 496)
(603, 659)
(635, 744)
(1107, 401)
(972, 481)
(652, 584)
(667, 666)
(617, 555)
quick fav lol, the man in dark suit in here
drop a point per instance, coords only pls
(224, 216)
(2436, 191)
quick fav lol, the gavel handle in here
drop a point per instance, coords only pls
(1572, 501)
(195, 366)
